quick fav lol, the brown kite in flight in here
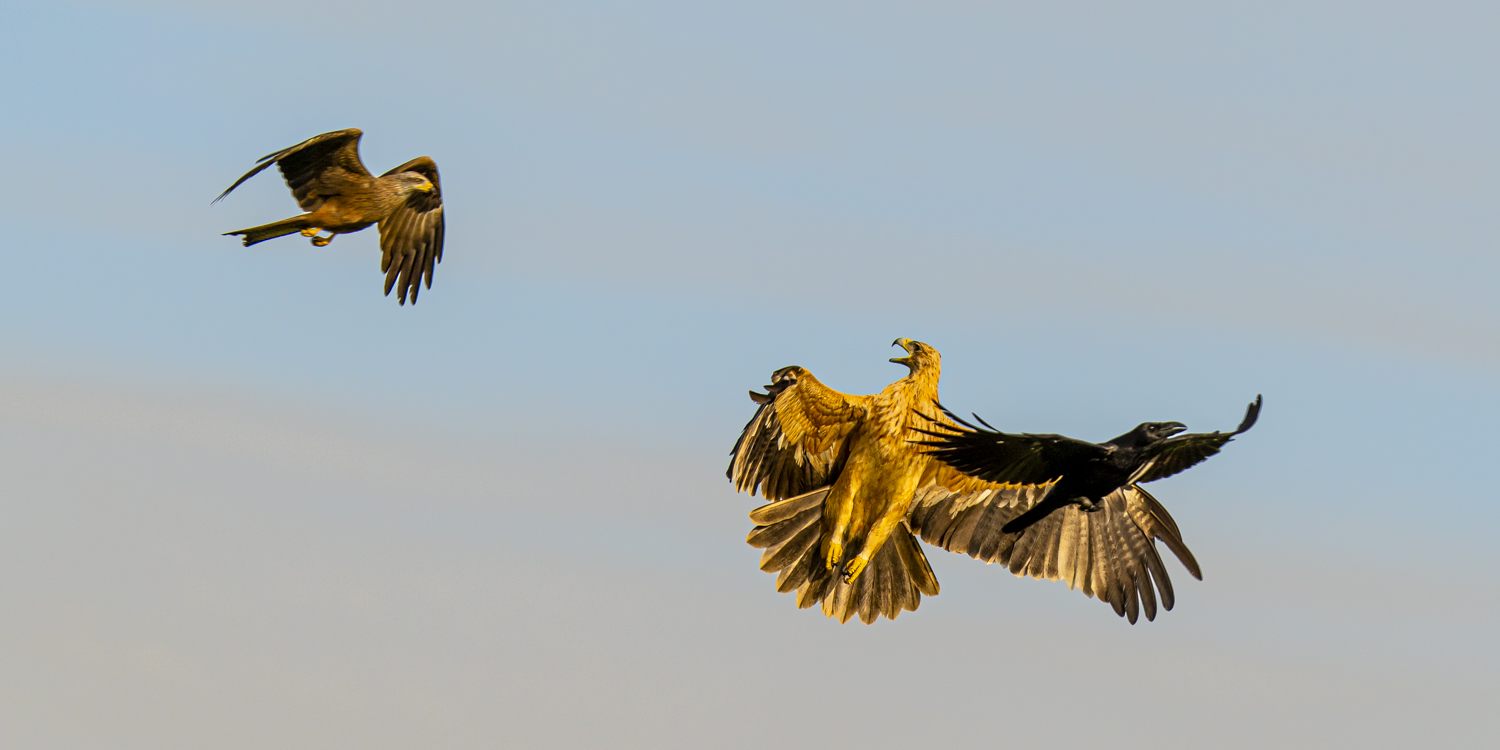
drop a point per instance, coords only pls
(851, 488)
(341, 196)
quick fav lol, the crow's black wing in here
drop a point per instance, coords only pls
(1006, 458)
(1185, 451)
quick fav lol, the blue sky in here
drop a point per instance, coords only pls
(248, 501)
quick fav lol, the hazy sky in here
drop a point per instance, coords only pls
(248, 502)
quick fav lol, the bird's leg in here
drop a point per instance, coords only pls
(855, 567)
(838, 514)
(835, 553)
(316, 240)
(889, 519)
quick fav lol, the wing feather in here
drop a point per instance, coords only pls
(797, 440)
(411, 237)
(313, 167)
(1180, 453)
(1002, 457)
(1108, 554)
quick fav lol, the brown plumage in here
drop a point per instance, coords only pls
(850, 489)
(341, 196)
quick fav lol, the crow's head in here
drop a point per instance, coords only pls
(1154, 432)
(1148, 433)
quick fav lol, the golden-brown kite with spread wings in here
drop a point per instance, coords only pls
(851, 489)
(339, 195)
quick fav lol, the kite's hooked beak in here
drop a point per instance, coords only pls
(427, 187)
(1172, 428)
(904, 344)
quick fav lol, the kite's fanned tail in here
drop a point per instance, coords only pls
(790, 533)
(271, 231)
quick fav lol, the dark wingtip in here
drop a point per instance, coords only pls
(934, 443)
(1252, 413)
(920, 413)
(952, 416)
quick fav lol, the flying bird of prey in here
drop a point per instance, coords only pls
(341, 196)
(850, 489)
(1080, 473)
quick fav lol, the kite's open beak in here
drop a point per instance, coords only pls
(904, 344)
(1172, 428)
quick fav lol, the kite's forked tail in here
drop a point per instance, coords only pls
(273, 230)
(790, 532)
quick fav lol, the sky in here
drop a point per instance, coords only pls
(248, 502)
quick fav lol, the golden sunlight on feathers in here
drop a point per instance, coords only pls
(340, 196)
(850, 491)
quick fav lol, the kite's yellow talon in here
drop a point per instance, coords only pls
(835, 554)
(310, 231)
(322, 241)
(855, 567)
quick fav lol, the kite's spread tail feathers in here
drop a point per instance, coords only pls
(790, 532)
(273, 230)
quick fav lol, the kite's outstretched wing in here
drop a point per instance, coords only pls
(796, 442)
(1108, 553)
(310, 164)
(411, 237)
(1185, 451)
(1002, 457)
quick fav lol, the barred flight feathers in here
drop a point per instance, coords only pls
(1108, 554)
(795, 441)
(854, 481)
(411, 237)
(789, 532)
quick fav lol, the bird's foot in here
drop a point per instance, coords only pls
(322, 241)
(854, 568)
(310, 231)
(835, 555)
(1089, 506)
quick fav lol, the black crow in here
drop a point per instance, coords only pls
(1084, 473)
